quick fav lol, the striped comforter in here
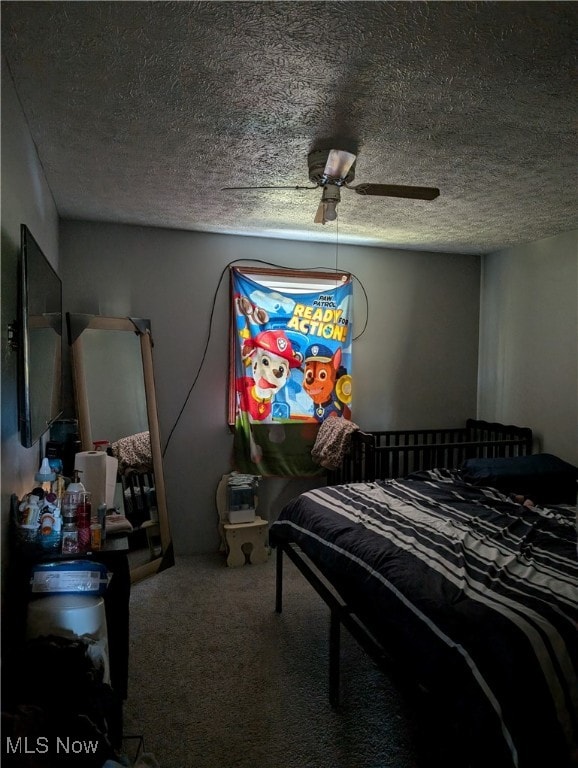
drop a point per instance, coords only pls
(477, 593)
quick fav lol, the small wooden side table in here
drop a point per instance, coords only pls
(239, 534)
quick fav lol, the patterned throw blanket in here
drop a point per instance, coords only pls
(133, 453)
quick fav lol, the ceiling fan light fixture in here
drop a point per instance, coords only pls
(327, 210)
(330, 210)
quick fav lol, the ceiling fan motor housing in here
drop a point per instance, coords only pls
(317, 160)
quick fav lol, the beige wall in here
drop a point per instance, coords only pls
(529, 341)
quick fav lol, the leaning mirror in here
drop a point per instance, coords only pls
(115, 395)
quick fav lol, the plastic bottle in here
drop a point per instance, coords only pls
(33, 511)
(83, 519)
(28, 519)
(57, 527)
(45, 476)
(101, 519)
(46, 523)
(95, 536)
(50, 527)
(59, 491)
(73, 497)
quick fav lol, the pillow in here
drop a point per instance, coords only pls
(544, 478)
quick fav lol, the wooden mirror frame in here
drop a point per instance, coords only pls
(77, 324)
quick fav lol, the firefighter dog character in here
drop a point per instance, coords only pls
(271, 358)
(326, 382)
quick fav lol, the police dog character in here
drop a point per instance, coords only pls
(326, 382)
(271, 357)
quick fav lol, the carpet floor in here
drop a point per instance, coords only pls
(219, 680)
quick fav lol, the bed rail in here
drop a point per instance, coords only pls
(398, 453)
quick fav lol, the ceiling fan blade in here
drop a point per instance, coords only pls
(320, 215)
(338, 164)
(293, 187)
(397, 190)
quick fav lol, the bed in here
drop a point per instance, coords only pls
(471, 593)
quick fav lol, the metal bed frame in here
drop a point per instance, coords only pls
(339, 613)
(391, 454)
(401, 674)
(382, 455)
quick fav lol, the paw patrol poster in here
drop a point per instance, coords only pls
(292, 370)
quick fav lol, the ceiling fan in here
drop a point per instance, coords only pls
(335, 168)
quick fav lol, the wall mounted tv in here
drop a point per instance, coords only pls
(40, 361)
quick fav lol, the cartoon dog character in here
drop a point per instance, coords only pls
(326, 382)
(271, 357)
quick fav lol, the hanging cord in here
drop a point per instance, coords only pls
(336, 241)
(355, 278)
(210, 329)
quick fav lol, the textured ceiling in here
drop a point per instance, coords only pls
(143, 111)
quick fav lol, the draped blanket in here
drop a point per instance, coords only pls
(332, 442)
(133, 453)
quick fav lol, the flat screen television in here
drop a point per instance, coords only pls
(40, 361)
